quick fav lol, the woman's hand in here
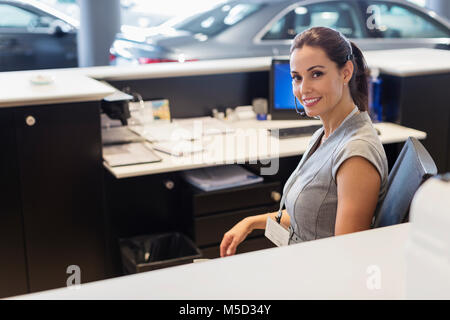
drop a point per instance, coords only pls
(234, 237)
(242, 229)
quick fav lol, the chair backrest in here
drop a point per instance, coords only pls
(413, 166)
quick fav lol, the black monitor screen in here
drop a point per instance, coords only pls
(281, 97)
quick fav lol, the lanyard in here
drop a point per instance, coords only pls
(296, 172)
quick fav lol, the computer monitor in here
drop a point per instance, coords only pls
(281, 98)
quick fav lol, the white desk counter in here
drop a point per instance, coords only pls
(217, 154)
(160, 70)
(409, 62)
(341, 267)
(78, 84)
(18, 90)
(400, 62)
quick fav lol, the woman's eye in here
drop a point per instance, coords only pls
(317, 74)
(296, 78)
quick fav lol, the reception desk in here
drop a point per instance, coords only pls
(62, 205)
(363, 265)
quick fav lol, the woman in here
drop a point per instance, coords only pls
(342, 176)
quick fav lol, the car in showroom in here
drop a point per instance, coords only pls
(251, 28)
(35, 36)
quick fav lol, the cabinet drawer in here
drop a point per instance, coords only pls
(248, 245)
(256, 195)
(209, 230)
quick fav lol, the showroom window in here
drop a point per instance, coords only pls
(341, 16)
(396, 21)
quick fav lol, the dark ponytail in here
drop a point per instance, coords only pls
(339, 49)
(358, 83)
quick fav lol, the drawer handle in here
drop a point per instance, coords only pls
(169, 184)
(30, 121)
(275, 195)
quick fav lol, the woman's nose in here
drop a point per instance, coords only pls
(305, 87)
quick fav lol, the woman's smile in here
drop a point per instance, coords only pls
(309, 102)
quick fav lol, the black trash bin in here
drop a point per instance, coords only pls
(157, 251)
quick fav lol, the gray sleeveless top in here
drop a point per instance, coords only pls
(311, 191)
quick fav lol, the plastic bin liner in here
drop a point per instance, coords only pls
(151, 252)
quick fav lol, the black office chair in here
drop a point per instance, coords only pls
(413, 166)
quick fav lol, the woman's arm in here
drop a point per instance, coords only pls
(259, 221)
(358, 186)
(242, 229)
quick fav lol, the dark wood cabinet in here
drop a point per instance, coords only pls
(143, 205)
(421, 102)
(215, 212)
(13, 269)
(55, 182)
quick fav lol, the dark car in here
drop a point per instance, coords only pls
(250, 28)
(34, 36)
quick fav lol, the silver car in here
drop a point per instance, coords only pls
(251, 28)
(35, 36)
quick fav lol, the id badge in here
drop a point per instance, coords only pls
(276, 233)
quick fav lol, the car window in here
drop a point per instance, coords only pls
(218, 19)
(397, 21)
(341, 16)
(14, 17)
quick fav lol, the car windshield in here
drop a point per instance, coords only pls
(218, 19)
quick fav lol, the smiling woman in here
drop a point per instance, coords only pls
(342, 176)
(336, 51)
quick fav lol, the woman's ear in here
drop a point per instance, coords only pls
(348, 71)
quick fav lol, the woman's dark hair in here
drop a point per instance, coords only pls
(339, 49)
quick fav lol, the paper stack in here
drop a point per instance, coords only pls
(221, 177)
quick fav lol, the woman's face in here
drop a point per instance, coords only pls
(316, 80)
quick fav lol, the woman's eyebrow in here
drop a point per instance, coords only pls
(318, 66)
(310, 68)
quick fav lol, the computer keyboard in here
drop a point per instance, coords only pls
(293, 132)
